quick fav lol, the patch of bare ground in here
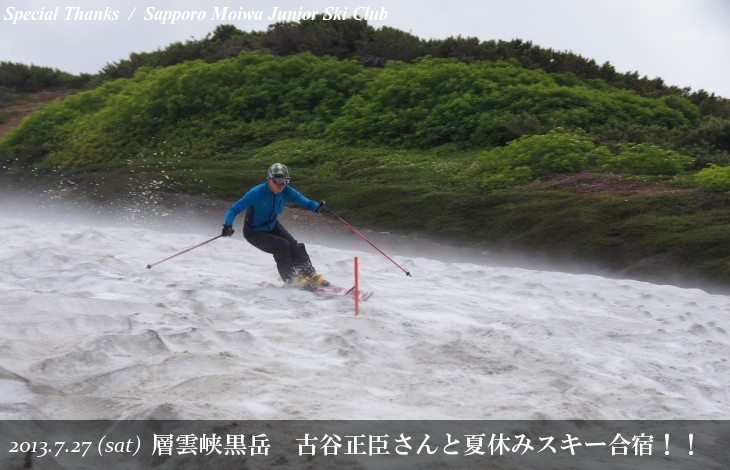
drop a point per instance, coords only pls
(595, 183)
(12, 113)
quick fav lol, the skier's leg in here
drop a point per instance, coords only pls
(277, 246)
(297, 252)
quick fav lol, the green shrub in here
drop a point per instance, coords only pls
(715, 178)
(644, 159)
(557, 152)
(508, 178)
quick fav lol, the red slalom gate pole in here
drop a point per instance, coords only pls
(371, 243)
(357, 290)
(149, 266)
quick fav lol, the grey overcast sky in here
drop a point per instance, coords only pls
(685, 42)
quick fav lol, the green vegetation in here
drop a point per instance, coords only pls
(644, 159)
(715, 178)
(205, 109)
(538, 156)
(566, 161)
(16, 77)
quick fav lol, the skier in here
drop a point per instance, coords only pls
(261, 228)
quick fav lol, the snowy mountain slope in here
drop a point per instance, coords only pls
(86, 332)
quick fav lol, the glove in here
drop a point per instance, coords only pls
(323, 207)
(227, 230)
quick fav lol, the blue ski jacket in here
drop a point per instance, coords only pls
(263, 207)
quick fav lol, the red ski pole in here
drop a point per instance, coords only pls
(149, 266)
(370, 243)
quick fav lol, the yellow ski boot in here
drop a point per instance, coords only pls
(318, 280)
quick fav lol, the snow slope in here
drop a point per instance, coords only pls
(86, 332)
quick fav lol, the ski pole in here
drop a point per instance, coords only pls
(370, 243)
(149, 266)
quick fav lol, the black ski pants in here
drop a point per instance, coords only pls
(291, 256)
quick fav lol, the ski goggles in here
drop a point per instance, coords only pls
(280, 180)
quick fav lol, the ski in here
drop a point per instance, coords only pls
(329, 290)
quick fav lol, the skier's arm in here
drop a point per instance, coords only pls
(297, 198)
(239, 206)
